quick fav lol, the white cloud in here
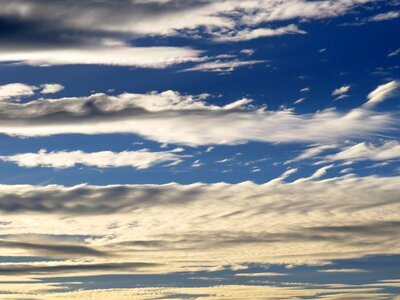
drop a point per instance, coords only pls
(172, 118)
(305, 90)
(264, 274)
(141, 159)
(343, 271)
(314, 151)
(248, 51)
(394, 53)
(385, 16)
(317, 174)
(224, 66)
(301, 100)
(142, 57)
(197, 164)
(16, 91)
(364, 151)
(251, 34)
(51, 88)
(341, 91)
(383, 92)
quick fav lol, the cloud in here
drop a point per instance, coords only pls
(248, 51)
(141, 159)
(343, 271)
(383, 92)
(341, 91)
(305, 90)
(69, 268)
(385, 16)
(45, 32)
(267, 291)
(223, 66)
(394, 53)
(265, 274)
(51, 88)
(358, 152)
(45, 248)
(167, 17)
(317, 174)
(170, 117)
(365, 151)
(313, 152)
(141, 57)
(16, 91)
(251, 34)
(48, 33)
(137, 229)
(301, 100)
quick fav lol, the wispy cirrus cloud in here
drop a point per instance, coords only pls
(383, 92)
(364, 151)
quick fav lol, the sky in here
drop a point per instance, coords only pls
(199, 149)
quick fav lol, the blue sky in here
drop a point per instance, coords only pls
(199, 149)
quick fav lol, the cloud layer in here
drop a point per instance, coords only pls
(170, 117)
(293, 222)
(45, 32)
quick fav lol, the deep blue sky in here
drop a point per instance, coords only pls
(348, 47)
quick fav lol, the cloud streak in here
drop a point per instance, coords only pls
(170, 117)
(141, 159)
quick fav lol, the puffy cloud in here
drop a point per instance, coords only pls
(51, 88)
(16, 90)
(141, 159)
(383, 92)
(170, 117)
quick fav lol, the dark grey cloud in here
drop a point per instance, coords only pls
(26, 269)
(29, 26)
(64, 24)
(47, 249)
(355, 235)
